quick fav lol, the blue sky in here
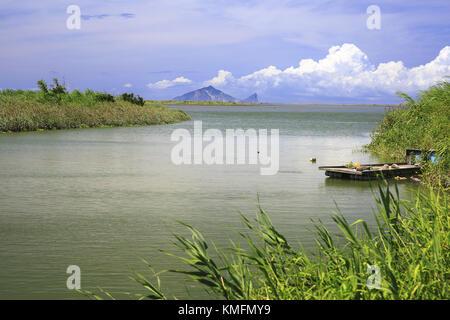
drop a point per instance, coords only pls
(286, 51)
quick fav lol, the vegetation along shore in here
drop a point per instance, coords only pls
(55, 108)
(418, 124)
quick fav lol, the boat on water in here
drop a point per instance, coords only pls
(412, 166)
(370, 171)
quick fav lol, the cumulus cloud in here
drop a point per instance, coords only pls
(127, 85)
(164, 84)
(345, 72)
(223, 77)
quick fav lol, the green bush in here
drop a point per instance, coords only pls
(422, 124)
(131, 98)
(104, 97)
(55, 89)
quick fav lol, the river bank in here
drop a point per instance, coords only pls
(31, 111)
(423, 124)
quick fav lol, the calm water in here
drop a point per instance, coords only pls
(104, 199)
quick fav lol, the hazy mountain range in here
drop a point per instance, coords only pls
(212, 94)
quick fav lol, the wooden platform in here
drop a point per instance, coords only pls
(371, 171)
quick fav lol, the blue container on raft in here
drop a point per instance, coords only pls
(416, 156)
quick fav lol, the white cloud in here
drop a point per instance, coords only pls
(344, 72)
(127, 85)
(164, 84)
(223, 77)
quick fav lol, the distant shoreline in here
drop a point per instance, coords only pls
(205, 103)
(214, 103)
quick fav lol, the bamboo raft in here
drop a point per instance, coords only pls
(370, 171)
(414, 159)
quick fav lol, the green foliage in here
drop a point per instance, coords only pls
(55, 108)
(43, 86)
(409, 244)
(425, 125)
(131, 98)
(104, 97)
(57, 88)
(349, 165)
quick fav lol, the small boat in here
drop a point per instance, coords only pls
(412, 166)
(370, 171)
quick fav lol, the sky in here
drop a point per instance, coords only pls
(285, 51)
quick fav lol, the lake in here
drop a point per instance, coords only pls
(104, 199)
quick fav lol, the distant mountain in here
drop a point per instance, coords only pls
(252, 99)
(212, 94)
(206, 94)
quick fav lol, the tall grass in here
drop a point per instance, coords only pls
(408, 248)
(422, 124)
(56, 108)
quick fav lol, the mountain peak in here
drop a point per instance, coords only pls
(210, 93)
(251, 99)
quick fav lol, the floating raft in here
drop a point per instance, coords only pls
(370, 171)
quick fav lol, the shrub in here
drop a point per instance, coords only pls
(42, 86)
(131, 98)
(104, 97)
(57, 88)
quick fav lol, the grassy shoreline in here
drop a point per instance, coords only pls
(422, 124)
(32, 111)
(214, 103)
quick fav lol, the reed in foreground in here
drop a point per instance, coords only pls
(404, 256)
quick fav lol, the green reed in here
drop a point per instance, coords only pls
(408, 246)
(422, 124)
